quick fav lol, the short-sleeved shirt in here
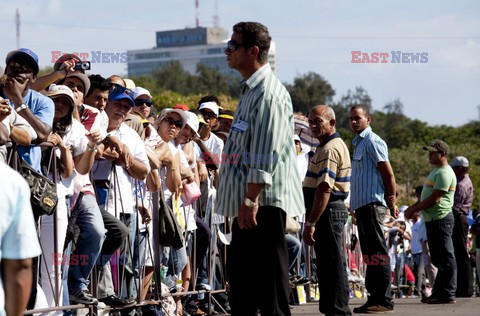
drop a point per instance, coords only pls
(441, 178)
(18, 237)
(44, 109)
(125, 183)
(366, 181)
(330, 164)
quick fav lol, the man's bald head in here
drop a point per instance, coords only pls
(324, 111)
(321, 120)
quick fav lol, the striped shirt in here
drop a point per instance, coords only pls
(330, 164)
(366, 182)
(260, 149)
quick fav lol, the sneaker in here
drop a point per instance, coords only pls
(82, 297)
(115, 301)
(440, 300)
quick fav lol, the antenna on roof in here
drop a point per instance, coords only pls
(17, 23)
(216, 17)
(197, 13)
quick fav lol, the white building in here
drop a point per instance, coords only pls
(202, 45)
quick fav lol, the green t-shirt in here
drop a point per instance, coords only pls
(443, 179)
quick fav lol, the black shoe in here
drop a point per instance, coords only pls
(82, 297)
(115, 301)
(373, 309)
(434, 300)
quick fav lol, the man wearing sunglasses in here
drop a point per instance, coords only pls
(264, 184)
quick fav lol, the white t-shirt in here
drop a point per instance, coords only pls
(419, 235)
(18, 237)
(124, 184)
(215, 145)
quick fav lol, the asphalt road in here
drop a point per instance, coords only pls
(407, 307)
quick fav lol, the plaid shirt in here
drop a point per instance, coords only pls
(463, 195)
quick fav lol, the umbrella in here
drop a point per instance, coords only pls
(302, 130)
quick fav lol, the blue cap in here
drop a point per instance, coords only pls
(26, 53)
(117, 96)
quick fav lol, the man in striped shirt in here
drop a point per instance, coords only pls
(373, 188)
(328, 181)
(259, 182)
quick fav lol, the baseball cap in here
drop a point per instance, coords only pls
(437, 145)
(57, 90)
(226, 114)
(212, 106)
(129, 84)
(138, 91)
(65, 57)
(117, 95)
(83, 78)
(26, 53)
(182, 114)
(193, 122)
(296, 138)
(182, 107)
(459, 161)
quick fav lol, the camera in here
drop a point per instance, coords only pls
(85, 65)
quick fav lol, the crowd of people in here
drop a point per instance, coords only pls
(233, 179)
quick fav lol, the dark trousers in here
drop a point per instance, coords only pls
(258, 266)
(331, 262)
(418, 271)
(464, 267)
(439, 234)
(378, 279)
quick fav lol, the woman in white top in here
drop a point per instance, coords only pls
(76, 149)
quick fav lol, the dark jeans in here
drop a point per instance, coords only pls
(258, 266)
(464, 268)
(331, 262)
(418, 271)
(378, 278)
(439, 234)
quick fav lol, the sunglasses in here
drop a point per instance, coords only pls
(118, 89)
(233, 46)
(140, 102)
(208, 115)
(171, 121)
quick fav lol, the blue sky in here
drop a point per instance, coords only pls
(311, 35)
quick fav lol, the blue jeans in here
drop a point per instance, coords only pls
(293, 247)
(378, 279)
(89, 242)
(439, 234)
(331, 261)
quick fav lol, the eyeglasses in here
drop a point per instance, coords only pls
(171, 121)
(140, 102)
(208, 115)
(233, 46)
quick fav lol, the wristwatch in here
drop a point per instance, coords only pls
(309, 224)
(249, 203)
(22, 106)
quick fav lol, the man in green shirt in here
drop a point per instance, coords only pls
(436, 204)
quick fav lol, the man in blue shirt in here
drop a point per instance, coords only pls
(35, 108)
(373, 188)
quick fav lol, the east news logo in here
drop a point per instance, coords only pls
(396, 57)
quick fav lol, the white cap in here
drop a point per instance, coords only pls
(182, 114)
(459, 161)
(57, 90)
(193, 122)
(138, 91)
(211, 106)
(129, 84)
(296, 138)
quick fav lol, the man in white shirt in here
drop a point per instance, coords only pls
(18, 242)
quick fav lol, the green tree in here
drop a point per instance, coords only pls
(309, 90)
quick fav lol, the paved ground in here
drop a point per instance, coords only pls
(408, 307)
